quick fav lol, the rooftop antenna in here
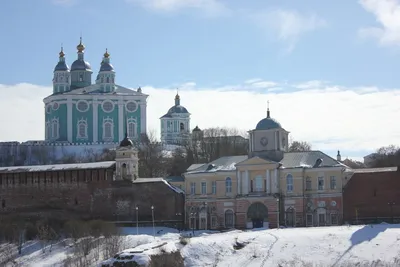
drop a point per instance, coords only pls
(267, 108)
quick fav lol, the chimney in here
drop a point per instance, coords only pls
(338, 157)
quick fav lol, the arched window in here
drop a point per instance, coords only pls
(228, 185)
(182, 126)
(229, 221)
(108, 79)
(131, 128)
(54, 128)
(289, 183)
(82, 129)
(124, 170)
(108, 129)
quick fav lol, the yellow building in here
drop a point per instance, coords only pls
(266, 187)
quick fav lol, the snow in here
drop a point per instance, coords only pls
(320, 246)
(58, 167)
(154, 180)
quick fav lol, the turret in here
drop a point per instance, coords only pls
(106, 76)
(62, 76)
(81, 72)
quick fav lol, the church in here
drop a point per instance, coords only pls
(82, 112)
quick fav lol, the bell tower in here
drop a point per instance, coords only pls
(126, 161)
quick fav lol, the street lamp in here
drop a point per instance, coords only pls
(192, 221)
(391, 209)
(178, 226)
(137, 220)
(152, 215)
(277, 218)
(205, 208)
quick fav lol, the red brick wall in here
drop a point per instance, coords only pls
(370, 194)
(87, 195)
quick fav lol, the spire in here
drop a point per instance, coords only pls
(61, 52)
(177, 98)
(80, 47)
(268, 115)
(106, 54)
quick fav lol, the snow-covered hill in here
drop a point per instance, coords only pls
(322, 246)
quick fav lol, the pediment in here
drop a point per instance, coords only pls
(255, 161)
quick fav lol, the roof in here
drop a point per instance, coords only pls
(194, 166)
(370, 170)
(308, 159)
(222, 164)
(59, 167)
(267, 124)
(172, 179)
(159, 180)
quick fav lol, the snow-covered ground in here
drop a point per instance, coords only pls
(322, 246)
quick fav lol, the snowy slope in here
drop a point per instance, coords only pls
(323, 246)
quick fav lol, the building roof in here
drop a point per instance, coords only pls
(159, 180)
(194, 166)
(59, 167)
(370, 170)
(268, 124)
(222, 164)
(172, 179)
(308, 159)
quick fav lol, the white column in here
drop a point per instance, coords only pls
(143, 118)
(69, 120)
(239, 181)
(267, 184)
(246, 190)
(276, 190)
(121, 123)
(95, 120)
(276, 140)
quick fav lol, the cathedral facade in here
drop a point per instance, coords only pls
(81, 112)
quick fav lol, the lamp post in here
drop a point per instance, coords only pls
(152, 215)
(277, 208)
(137, 220)
(391, 209)
(192, 215)
(205, 208)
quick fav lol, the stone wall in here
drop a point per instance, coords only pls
(88, 194)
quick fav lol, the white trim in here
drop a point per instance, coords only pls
(130, 121)
(143, 117)
(82, 101)
(55, 103)
(120, 120)
(48, 108)
(131, 101)
(106, 102)
(95, 121)
(55, 126)
(47, 130)
(82, 122)
(239, 181)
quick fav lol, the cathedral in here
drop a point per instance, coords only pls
(81, 112)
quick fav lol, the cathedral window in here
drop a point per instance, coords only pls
(108, 129)
(81, 77)
(55, 106)
(54, 128)
(48, 108)
(131, 106)
(182, 127)
(108, 79)
(107, 106)
(131, 127)
(82, 129)
(82, 106)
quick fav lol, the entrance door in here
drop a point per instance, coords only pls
(203, 223)
(290, 216)
(258, 223)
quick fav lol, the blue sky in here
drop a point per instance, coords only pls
(216, 45)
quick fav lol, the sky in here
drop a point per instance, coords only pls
(330, 69)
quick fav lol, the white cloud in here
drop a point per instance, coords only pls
(387, 14)
(287, 25)
(209, 6)
(330, 117)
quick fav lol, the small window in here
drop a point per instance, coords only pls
(229, 223)
(203, 188)
(308, 184)
(192, 188)
(333, 182)
(289, 183)
(321, 183)
(214, 187)
(182, 126)
(334, 219)
(228, 185)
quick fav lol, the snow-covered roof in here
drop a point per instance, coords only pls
(308, 159)
(59, 167)
(158, 180)
(365, 170)
(222, 164)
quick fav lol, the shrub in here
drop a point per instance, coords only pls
(183, 240)
(167, 259)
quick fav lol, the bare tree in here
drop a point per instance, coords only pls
(388, 156)
(299, 146)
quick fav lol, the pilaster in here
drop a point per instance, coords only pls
(69, 120)
(239, 181)
(275, 190)
(268, 181)
(120, 119)
(95, 120)
(143, 122)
